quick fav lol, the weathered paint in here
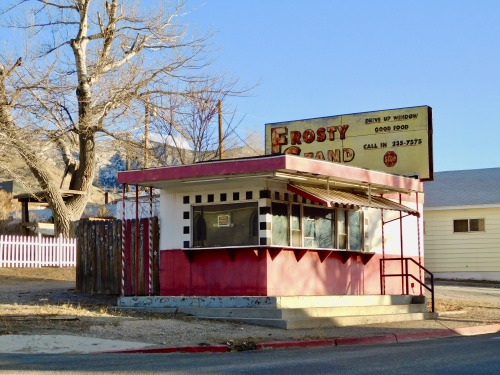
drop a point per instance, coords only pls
(261, 272)
(397, 141)
(155, 177)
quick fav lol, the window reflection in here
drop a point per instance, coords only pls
(316, 227)
(280, 224)
(319, 227)
(225, 225)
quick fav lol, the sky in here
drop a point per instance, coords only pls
(317, 58)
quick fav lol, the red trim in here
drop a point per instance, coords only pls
(211, 169)
(269, 164)
(277, 271)
(401, 243)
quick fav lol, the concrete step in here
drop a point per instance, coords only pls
(290, 312)
(341, 321)
(309, 312)
(266, 302)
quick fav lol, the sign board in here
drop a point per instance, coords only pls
(224, 220)
(397, 141)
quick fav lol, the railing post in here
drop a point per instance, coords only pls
(123, 241)
(136, 240)
(407, 272)
(381, 276)
(150, 247)
(432, 291)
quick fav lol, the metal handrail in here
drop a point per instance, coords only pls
(407, 275)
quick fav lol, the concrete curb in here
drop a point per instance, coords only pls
(172, 349)
(341, 341)
(478, 330)
(425, 335)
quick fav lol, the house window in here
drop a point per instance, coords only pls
(316, 227)
(468, 225)
(225, 225)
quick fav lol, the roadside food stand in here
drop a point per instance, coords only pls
(283, 225)
(334, 208)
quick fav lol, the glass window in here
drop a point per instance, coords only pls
(468, 225)
(280, 224)
(476, 225)
(342, 229)
(355, 230)
(460, 225)
(225, 225)
(296, 226)
(319, 227)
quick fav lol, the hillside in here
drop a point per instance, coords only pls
(110, 159)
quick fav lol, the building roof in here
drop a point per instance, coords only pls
(276, 167)
(463, 188)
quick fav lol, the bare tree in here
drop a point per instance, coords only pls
(188, 124)
(98, 64)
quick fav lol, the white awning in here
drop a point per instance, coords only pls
(339, 198)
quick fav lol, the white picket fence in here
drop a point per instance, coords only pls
(25, 251)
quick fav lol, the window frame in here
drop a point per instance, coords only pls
(336, 212)
(481, 223)
(253, 228)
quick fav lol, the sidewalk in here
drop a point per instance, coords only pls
(472, 310)
(389, 338)
(390, 333)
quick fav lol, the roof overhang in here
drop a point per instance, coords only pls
(287, 168)
(346, 199)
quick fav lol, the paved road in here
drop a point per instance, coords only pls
(459, 355)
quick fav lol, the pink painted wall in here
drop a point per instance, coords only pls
(249, 272)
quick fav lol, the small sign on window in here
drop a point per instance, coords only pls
(224, 220)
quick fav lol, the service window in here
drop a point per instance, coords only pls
(355, 230)
(280, 224)
(308, 226)
(225, 225)
(296, 226)
(342, 223)
(319, 227)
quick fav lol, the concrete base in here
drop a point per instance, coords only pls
(290, 312)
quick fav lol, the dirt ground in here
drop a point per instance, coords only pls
(44, 301)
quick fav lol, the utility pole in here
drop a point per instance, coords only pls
(146, 135)
(127, 157)
(127, 153)
(221, 140)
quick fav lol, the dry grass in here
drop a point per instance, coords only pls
(45, 273)
(445, 305)
(31, 290)
(52, 310)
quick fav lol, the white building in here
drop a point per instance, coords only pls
(462, 224)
